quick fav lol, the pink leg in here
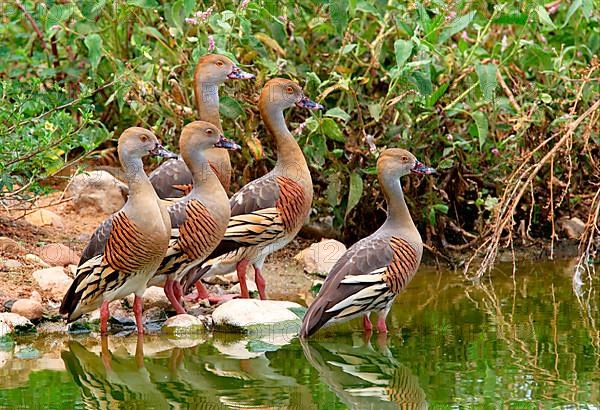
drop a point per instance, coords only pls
(105, 352)
(137, 311)
(170, 292)
(260, 283)
(104, 313)
(367, 325)
(177, 290)
(241, 272)
(381, 327)
(202, 292)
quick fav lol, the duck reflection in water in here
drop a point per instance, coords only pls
(364, 377)
(108, 380)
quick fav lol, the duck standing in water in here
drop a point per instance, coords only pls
(137, 238)
(369, 276)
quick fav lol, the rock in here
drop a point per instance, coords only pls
(11, 263)
(31, 258)
(237, 289)
(28, 308)
(19, 323)
(72, 270)
(54, 282)
(573, 227)
(9, 246)
(36, 296)
(6, 327)
(44, 217)
(258, 316)
(217, 280)
(181, 325)
(98, 190)
(154, 296)
(57, 254)
(320, 257)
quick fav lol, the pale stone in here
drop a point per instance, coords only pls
(262, 316)
(31, 258)
(57, 254)
(573, 227)
(154, 296)
(320, 257)
(44, 217)
(18, 322)
(54, 282)
(6, 327)
(11, 263)
(236, 289)
(9, 246)
(98, 190)
(28, 308)
(180, 325)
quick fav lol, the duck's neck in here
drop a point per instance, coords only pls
(206, 183)
(207, 102)
(290, 159)
(137, 180)
(398, 215)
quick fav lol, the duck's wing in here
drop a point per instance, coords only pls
(97, 241)
(169, 178)
(366, 278)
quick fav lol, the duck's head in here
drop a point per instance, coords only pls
(397, 162)
(137, 142)
(202, 135)
(216, 68)
(282, 93)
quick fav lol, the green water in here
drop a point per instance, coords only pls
(527, 343)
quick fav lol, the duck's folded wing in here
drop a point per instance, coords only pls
(261, 193)
(169, 176)
(97, 242)
(366, 278)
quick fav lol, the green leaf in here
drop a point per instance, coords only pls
(348, 48)
(331, 130)
(375, 111)
(423, 82)
(145, 4)
(152, 32)
(338, 10)
(58, 14)
(487, 79)
(572, 9)
(354, 192)
(433, 98)
(337, 112)
(544, 17)
(456, 25)
(518, 19)
(481, 123)
(260, 346)
(402, 49)
(93, 42)
(230, 108)
(445, 163)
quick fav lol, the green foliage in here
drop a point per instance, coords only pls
(429, 76)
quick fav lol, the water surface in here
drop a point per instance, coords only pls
(509, 342)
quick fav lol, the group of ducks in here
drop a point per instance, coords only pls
(176, 243)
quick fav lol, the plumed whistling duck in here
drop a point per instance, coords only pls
(137, 237)
(172, 179)
(267, 213)
(369, 276)
(199, 220)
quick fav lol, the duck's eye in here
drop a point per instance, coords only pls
(289, 90)
(220, 63)
(209, 131)
(405, 158)
(143, 138)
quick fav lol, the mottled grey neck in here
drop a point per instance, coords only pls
(205, 182)
(398, 214)
(290, 159)
(207, 102)
(137, 180)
